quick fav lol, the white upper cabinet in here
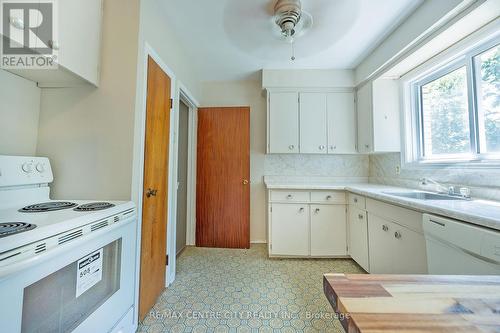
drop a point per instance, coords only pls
(341, 123)
(78, 44)
(378, 116)
(313, 129)
(311, 122)
(283, 123)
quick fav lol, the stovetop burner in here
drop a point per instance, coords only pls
(7, 229)
(93, 206)
(47, 207)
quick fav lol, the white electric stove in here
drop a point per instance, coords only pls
(65, 265)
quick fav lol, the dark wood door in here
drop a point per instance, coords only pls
(155, 196)
(223, 171)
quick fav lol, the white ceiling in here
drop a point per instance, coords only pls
(233, 39)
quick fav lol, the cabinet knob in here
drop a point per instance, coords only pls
(367, 146)
(289, 196)
(355, 200)
(321, 147)
(291, 147)
(328, 197)
(397, 234)
(385, 228)
(360, 216)
(317, 210)
(301, 210)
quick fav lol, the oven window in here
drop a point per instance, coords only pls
(61, 301)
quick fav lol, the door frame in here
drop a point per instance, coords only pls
(138, 157)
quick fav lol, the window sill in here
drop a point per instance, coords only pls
(453, 164)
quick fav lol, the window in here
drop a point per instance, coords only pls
(457, 109)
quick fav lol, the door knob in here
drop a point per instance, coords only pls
(245, 182)
(151, 193)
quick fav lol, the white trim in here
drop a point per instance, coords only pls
(258, 242)
(138, 157)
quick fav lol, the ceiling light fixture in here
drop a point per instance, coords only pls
(292, 21)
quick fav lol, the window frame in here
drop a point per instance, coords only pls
(415, 148)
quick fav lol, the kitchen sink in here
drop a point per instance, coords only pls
(423, 195)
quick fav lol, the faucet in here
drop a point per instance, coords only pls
(450, 190)
(464, 191)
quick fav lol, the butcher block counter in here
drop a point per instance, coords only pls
(415, 303)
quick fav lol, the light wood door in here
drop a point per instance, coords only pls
(283, 123)
(313, 125)
(223, 171)
(328, 230)
(341, 123)
(155, 196)
(290, 229)
(358, 237)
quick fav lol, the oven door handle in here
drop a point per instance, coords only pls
(60, 249)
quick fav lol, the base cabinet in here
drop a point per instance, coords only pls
(290, 228)
(328, 230)
(395, 249)
(307, 224)
(358, 236)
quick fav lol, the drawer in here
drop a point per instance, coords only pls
(333, 197)
(357, 200)
(406, 217)
(290, 196)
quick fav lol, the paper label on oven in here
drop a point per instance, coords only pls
(88, 272)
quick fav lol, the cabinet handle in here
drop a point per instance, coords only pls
(328, 197)
(301, 210)
(385, 228)
(360, 216)
(291, 147)
(289, 196)
(397, 234)
(317, 210)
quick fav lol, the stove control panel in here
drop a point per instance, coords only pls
(24, 170)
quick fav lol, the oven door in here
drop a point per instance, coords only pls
(86, 285)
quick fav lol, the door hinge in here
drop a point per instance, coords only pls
(166, 260)
(171, 103)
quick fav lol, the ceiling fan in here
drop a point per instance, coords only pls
(292, 21)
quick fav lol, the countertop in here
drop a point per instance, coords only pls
(415, 303)
(479, 212)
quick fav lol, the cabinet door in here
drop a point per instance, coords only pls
(386, 132)
(358, 237)
(410, 251)
(290, 229)
(341, 123)
(381, 245)
(283, 133)
(365, 122)
(313, 125)
(328, 230)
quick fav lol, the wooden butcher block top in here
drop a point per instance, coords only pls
(415, 303)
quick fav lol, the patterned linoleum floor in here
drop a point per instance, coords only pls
(222, 290)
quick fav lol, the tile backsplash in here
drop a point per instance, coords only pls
(317, 165)
(484, 183)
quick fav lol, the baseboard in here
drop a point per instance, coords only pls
(258, 242)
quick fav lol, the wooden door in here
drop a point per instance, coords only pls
(155, 191)
(341, 123)
(223, 171)
(290, 229)
(283, 123)
(313, 125)
(328, 230)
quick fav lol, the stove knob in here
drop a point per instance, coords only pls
(27, 167)
(40, 167)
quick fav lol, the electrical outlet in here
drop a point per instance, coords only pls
(398, 170)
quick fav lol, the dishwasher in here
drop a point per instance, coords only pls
(455, 247)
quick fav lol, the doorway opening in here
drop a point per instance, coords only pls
(182, 178)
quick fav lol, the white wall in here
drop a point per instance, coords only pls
(247, 93)
(87, 132)
(313, 78)
(19, 112)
